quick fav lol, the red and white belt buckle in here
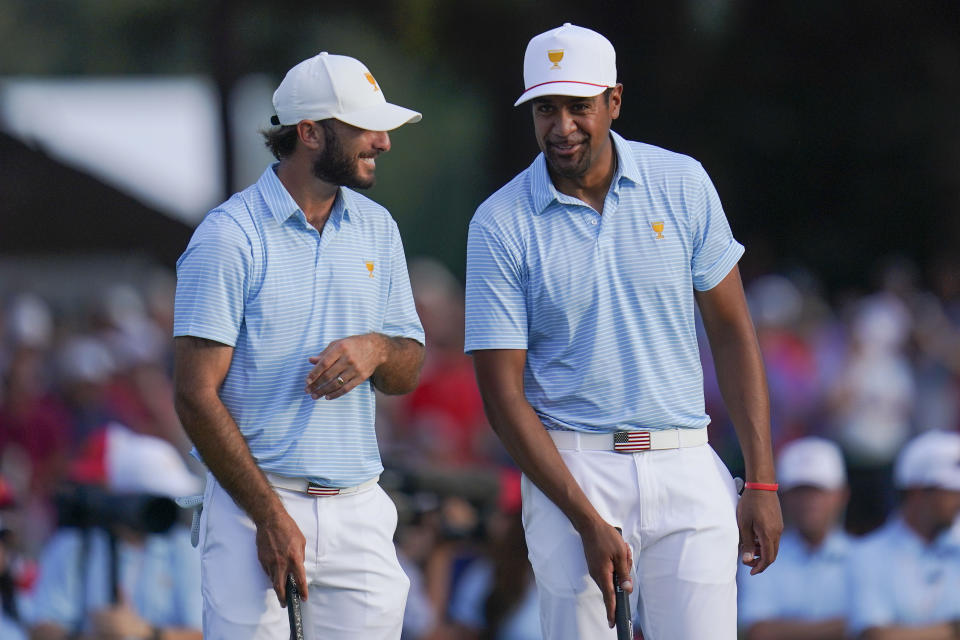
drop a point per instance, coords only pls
(320, 490)
(631, 441)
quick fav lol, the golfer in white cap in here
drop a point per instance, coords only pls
(805, 594)
(583, 275)
(293, 305)
(906, 575)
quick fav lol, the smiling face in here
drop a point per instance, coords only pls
(348, 157)
(574, 133)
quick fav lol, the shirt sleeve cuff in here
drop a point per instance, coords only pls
(719, 269)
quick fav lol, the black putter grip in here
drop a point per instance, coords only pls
(293, 609)
(622, 611)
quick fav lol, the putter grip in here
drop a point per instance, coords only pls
(622, 612)
(293, 609)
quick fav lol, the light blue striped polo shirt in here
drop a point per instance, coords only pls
(603, 305)
(899, 579)
(256, 276)
(808, 584)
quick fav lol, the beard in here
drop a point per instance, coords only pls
(335, 166)
(569, 167)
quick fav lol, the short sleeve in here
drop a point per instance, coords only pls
(496, 309)
(213, 279)
(400, 318)
(715, 251)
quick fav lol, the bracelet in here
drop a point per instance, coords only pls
(761, 486)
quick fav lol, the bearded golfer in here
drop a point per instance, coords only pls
(293, 304)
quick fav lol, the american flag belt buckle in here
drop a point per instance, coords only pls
(631, 441)
(315, 489)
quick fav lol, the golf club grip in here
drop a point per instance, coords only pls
(622, 612)
(293, 609)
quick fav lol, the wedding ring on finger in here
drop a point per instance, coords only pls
(340, 381)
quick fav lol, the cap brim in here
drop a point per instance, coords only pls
(561, 88)
(383, 117)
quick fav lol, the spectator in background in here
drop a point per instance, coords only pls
(158, 574)
(441, 423)
(85, 368)
(496, 598)
(141, 392)
(34, 426)
(10, 628)
(10, 607)
(804, 595)
(871, 405)
(776, 305)
(906, 576)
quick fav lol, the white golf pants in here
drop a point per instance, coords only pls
(355, 584)
(677, 509)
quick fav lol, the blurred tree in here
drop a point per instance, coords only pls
(829, 128)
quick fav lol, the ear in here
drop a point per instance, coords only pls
(616, 99)
(310, 134)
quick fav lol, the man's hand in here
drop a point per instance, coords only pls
(280, 549)
(760, 522)
(120, 622)
(345, 364)
(607, 552)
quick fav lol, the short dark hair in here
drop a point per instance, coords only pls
(281, 140)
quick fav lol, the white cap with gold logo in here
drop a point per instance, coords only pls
(568, 61)
(341, 87)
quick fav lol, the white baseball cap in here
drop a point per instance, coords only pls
(568, 61)
(341, 87)
(811, 462)
(929, 460)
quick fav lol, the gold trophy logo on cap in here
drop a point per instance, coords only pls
(372, 81)
(555, 55)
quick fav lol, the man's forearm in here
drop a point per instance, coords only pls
(532, 449)
(225, 452)
(743, 385)
(400, 370)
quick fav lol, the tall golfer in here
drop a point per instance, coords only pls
(582, 274)
(293, 304)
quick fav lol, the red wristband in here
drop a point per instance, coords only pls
(762, 486)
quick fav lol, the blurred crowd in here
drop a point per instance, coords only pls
(866, 372)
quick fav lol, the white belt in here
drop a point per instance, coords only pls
(629, 441)
(313, 489)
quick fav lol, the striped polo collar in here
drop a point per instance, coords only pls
(544, 192)
(282, 205)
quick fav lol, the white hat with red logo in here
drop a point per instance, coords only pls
(568, 61)
(341, 87)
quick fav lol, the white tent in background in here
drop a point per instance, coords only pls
(157, 139)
